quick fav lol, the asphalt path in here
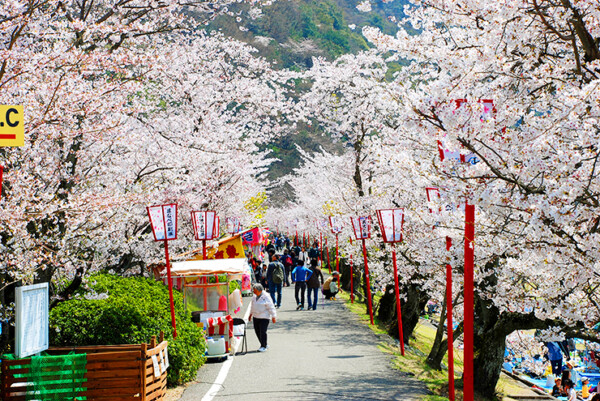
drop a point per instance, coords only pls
(325, 354)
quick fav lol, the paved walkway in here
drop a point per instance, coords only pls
(314, 355)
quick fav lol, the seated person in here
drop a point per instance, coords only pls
(585, 388)
(570, 390)
(330, 286)
(557, 390)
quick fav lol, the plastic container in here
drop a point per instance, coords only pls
(215, 345)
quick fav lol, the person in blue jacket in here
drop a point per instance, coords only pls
(300, 276)
(555, 357)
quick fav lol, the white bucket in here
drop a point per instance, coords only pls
(215, 346)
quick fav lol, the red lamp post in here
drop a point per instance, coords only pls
(433, 196)
(163, 219)
(362, 231)
(336, 228)
(391, 222)
(205, 226)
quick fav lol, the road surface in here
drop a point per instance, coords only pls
(325, 354)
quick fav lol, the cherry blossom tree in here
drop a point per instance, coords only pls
(536, 185)
(123, 109)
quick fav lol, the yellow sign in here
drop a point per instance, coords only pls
(228, 248)
(12, 126)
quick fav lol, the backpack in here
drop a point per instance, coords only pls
(287, 260)
(278, 273)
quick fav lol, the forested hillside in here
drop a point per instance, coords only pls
(290, 33)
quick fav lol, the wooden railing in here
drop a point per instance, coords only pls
(114, 372)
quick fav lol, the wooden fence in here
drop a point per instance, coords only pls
(115, 373)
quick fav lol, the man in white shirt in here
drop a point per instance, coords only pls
(262, 310)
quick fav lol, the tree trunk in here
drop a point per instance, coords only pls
(411, 310)
(386, 311)
(488, 353)
(436, 348)
(435, 361)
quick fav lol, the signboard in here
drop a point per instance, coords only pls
(12, 126)
(31, 321)
(164, 221)
(391, 222)
(362, 227)
(336, 224)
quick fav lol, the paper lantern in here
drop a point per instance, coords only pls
(204, 225)
(163, 219)
(391, 222)
(362, 227)
(336, 224)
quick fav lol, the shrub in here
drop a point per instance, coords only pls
(119, 310)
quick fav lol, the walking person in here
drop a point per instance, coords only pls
(303, 256)
(275, 276)
(314, 284)
(313, 252)
(300, 275)
(288, 264)
(263, 311)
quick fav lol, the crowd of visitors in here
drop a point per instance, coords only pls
(285, 264)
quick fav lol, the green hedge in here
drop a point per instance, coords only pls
(135, 309)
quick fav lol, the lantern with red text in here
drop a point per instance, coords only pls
(362, 231)
(391, 222)
(362, 227)
(163, 219)
(204, 225)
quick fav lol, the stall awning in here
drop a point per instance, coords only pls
(209, 266)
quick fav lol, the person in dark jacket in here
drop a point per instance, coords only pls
(288, 263)
(300, 275)
(314, 284)
(313, 252)
(274, 284)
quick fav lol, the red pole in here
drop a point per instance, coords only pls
(367, 281)
(304, 239)
(296, 239)
(321, 249)
(327, 255)
(450, 325)
(351, 281)
(398, 305)
(170, 289)
(337, 253)
(203, 249)
(468, 393)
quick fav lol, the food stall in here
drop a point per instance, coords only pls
(205, 285)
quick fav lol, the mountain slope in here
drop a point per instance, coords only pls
(290, 33)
